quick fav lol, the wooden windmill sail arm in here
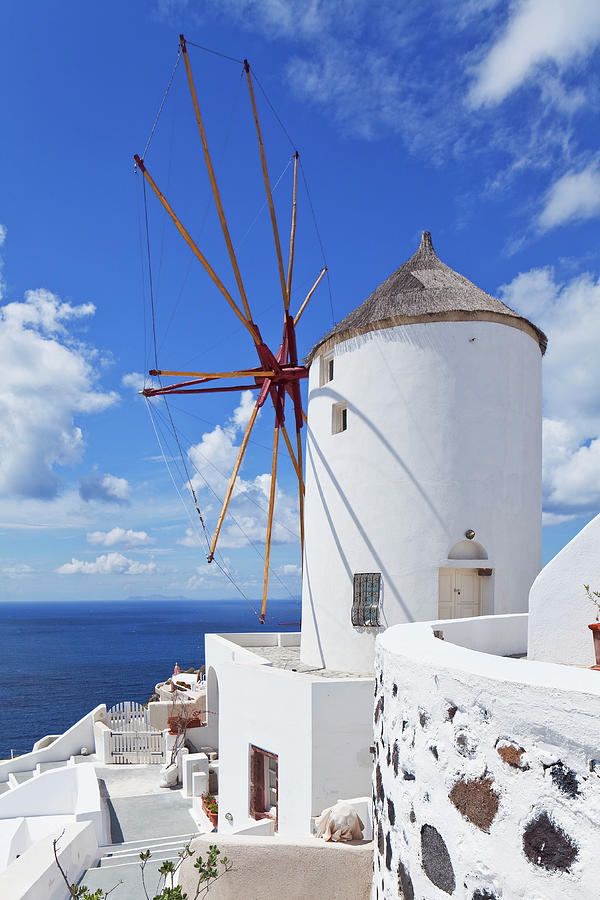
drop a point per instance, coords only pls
(292, 235)
(175, 389)
(268, 189)
(212, 376)
(196, 251)
(236, 469)
(213, 181)
(309, 295)
(270, 522)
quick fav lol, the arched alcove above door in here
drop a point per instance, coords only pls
(468, 550)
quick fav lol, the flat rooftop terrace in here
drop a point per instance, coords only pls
(282, 651)
(289, 658)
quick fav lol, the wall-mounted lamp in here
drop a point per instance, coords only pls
(229, 818)
(469, 534)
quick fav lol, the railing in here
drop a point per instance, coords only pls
(79, 735)
(136, 747)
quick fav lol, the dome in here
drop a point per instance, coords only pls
(424, 289)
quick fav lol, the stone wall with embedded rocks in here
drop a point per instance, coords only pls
(487, 774)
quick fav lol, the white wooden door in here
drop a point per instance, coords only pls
(446, 601)
(460, 594)
(467, 595)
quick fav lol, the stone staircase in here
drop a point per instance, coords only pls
(121, 863)
(17, 778)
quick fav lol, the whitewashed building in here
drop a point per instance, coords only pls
(423, 501)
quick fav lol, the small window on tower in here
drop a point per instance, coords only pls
(339, 417)
(367, 596)
(326, 369)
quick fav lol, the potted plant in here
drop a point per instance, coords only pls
(594, 596)
(211, 808)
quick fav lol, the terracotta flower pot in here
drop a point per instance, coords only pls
(211, 815)
(595, 629)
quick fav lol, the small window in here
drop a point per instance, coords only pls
(326, 369)
(339, 418)
(367, 594)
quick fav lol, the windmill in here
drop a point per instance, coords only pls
(278, 374)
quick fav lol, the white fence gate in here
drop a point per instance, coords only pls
(128, 716)
(131, 738)
(136, 747)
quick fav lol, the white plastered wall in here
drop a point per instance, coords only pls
(342, 731)
(444, 435)
(559, 610)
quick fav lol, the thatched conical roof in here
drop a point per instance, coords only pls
(424, 289)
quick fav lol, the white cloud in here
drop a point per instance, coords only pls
(44, 312)
(291, 570)
(2, 240)
(133, 380)
(119, 536)
(569, 313)
(105, 488)
(574, 196)
(137, 381)
(107, 564)
(206, 574)
(191, 539)
(375, 69)
(68, 511)
(365, 88)
(48, 379)
(555, 518)
(247, 522)
(538, 32)
(17, 570)
(213, 459)
(242, 412)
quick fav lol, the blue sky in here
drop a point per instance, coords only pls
(475, 119)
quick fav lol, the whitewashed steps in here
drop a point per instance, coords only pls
(161, 853)
(148, 843)
(47, 766)
(121, 862)
(129, 876)
(17, 778)
(161, 848)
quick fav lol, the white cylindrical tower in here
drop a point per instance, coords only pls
(423, 463)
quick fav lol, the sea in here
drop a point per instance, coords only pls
(58, 660)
